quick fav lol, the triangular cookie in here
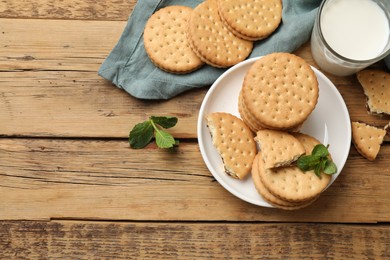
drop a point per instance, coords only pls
(367, 139)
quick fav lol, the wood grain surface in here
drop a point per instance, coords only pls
(79, 104)
(62, 70)
(71, 188)
(149, 240)
(105, 10)
(105, 179)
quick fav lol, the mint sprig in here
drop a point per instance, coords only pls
(142, 133)
(318, 161)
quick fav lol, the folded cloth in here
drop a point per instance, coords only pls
(128, 66)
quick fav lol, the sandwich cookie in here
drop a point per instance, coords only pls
(234, 142)
(212, 41)
(251, 19)
(165, 40)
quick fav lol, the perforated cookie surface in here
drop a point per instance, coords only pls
(253, 123)
(233, 141)
(290, 183)
(268, 196)
(253, 19)
(376, 86)
(367, 139)
(211, 39)
(280, 90)
(165, 40)
(246, 117)
(278, 148)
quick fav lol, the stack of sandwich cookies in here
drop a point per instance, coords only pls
(245, 116)
(234, 142)
(251, 121)
(287, 187)
(165, 40)
(251, 20)
(267, 195)
(279, 91)
(212, 41)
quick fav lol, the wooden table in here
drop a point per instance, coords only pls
(71, 187)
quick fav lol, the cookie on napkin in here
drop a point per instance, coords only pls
(376, 86)
(165, 40)
(233, 141)
(212, 41)
(251, 19)
(278, 148)
(367, 139)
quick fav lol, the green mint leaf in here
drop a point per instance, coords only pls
(308, 162)
(164, 121)
(317, 170)
(317, 161)
(330, 167)
(164, 139)
(322, 163)
(320, 150)
(141, 135)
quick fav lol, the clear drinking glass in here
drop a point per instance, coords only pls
(324, 52)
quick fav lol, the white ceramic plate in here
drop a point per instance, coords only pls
(329, 123)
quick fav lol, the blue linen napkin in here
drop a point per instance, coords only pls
(129, 67)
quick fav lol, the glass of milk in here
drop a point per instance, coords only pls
(349, 35)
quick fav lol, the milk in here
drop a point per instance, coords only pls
(356, 30)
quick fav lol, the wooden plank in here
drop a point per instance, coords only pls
(56, 44)
(71, 9)
(51, 87)
(107, 240)
(79, 104)
(39, 71)
(78, 179)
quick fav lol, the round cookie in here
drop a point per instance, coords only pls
(269, 197)
(212, 41)
(253, 19)
(165, 40)
(290, 183)
(280, 90)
